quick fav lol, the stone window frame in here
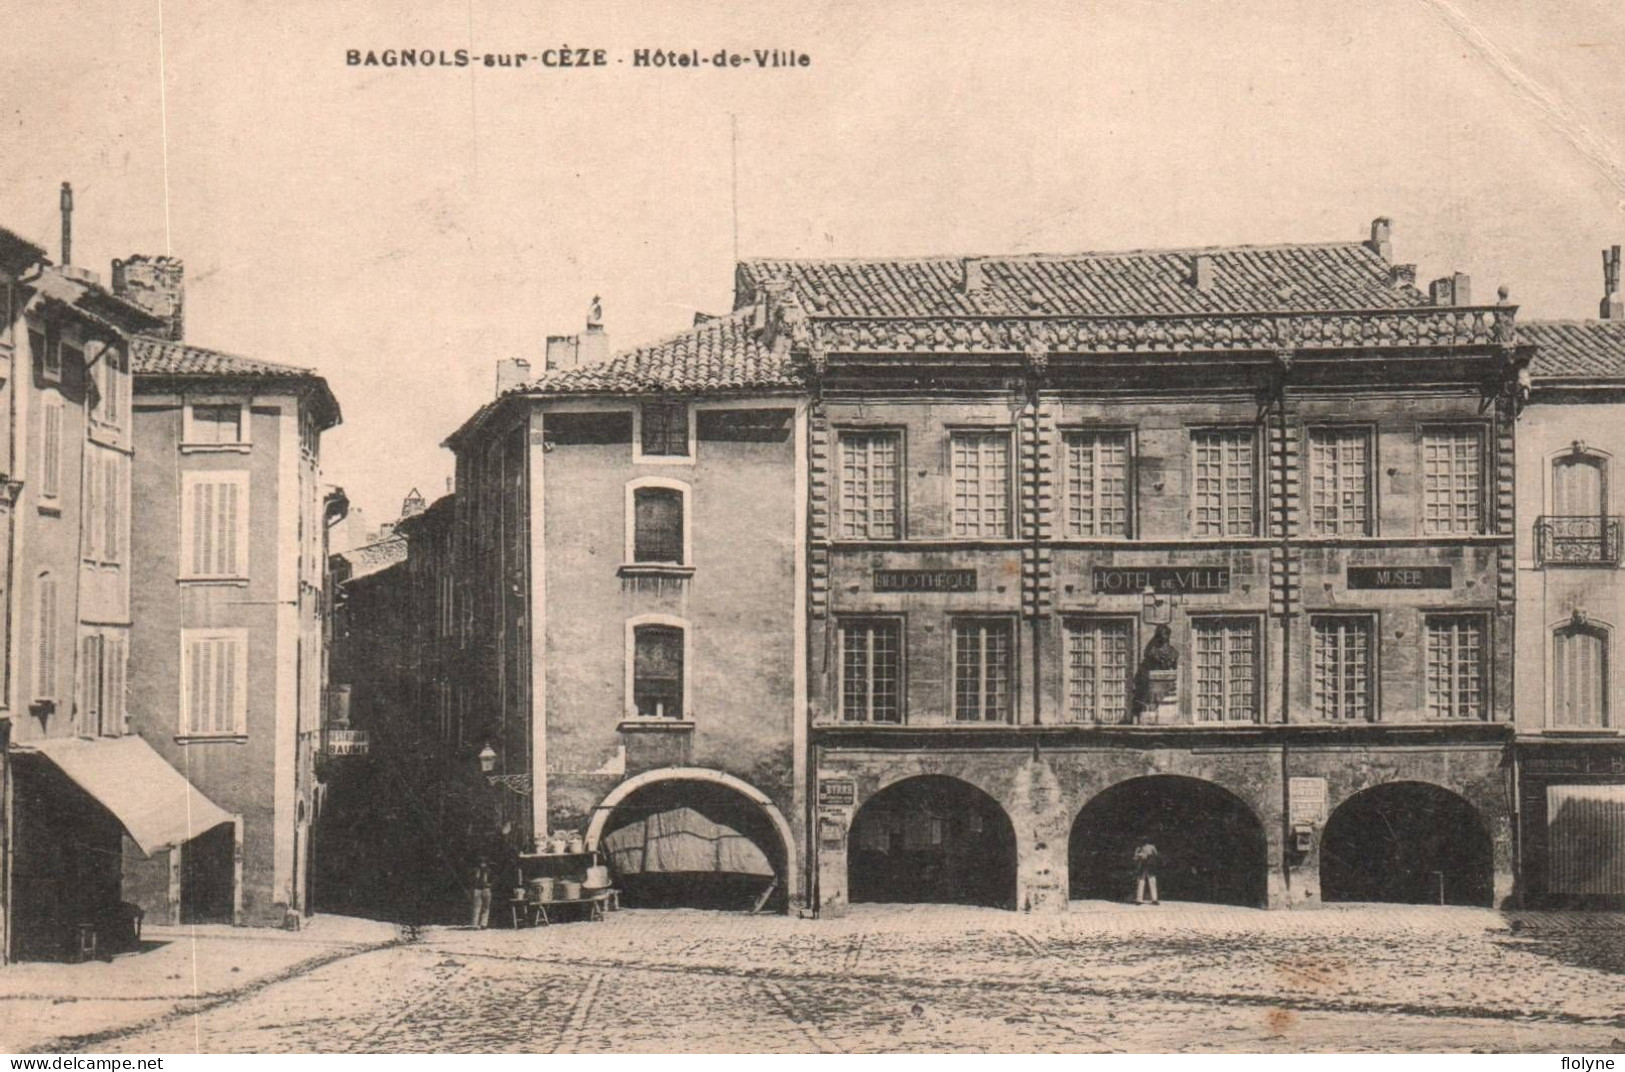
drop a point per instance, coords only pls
(190, 444)
(629, 699)
(1070, 625)
(868, 620)
(1073, 433)
(1478, 429)
(1008, 622)
(640, 457)
(1259, 492)
(1255, 624)
(1368, 432)
(1372, 620)
(842, 434)
(1012, 479)
(1485, 622)
(629, 551)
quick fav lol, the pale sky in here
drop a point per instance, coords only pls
(401, 230)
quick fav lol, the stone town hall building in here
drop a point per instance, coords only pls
(868, 569)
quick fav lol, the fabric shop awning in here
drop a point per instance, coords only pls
(157, 806)
(680, 840)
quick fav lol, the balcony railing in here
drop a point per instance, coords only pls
(1578, 540)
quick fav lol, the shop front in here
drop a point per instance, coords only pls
(1572, 823)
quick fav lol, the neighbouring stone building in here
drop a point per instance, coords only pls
(1571, 608)
(627, 605)
(78, 783)
(228, 649)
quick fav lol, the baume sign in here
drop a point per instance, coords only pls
(1164, 580)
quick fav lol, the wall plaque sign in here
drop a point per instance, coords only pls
(1399, 577)
(1307, 797)
(925, 580)
(837, 792)
(1164, 580)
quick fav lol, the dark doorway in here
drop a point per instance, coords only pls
(932, 839)
(1210, 844)
(1410, 843)
(694, 844)
(207, 876)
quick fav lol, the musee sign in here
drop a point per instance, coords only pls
(1164, 580)
(1399, 577)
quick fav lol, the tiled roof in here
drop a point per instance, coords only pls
(1575, 349)
(724, 354)
(159, 357)
(1302, 278)
(376, 556)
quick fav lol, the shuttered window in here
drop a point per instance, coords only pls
(664, 431)
(101, 684)
(870, 477)
(104, 506)
(1098, 654)
(45, 637)
(214, 682)
(1226, 669)
(981, 483)
(214, 525)
(1097, 484)
(1452, 481)
(657, 518)
(1224, 496)
(1580, 676)
(51, 447)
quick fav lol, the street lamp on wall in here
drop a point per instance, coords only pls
(488, 759)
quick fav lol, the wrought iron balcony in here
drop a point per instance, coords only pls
(1578, 540)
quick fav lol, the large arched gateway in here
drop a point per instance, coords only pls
(696, 838)
(1211, 845)
(1408, 842)
(932, 839)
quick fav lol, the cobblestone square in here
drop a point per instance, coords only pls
(1101, 978)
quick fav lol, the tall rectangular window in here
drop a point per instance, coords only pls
(1580, 676)
(101, 685)
(1098, 656)
(1097, 484)
(983, 661)
(1455, 666)
(872, 670)
(214, 525)
(657, 525)
(657, 671)
(1226, 669)
(51, 446)
(1340, 665)
(214, 682)
(104, 506)
(870, 506)
(108, 375)
(1339, 482)
(664, 429)
(980, 463)
(1452, 481)
(1224, 495)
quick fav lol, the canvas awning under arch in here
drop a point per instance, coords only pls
(682, 839)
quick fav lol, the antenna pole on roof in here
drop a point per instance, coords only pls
(733, 120)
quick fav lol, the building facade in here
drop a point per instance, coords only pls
(626, 535)
(1571, 602)
(1210, 547)
(76, 779)
(228, 648)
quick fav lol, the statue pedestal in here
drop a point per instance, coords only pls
(1163, 709)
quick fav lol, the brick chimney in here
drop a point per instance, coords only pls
(514, 372)
(1613, 306)
(157, 284)
(971, 279)
(1382, 241)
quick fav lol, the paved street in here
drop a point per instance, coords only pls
(1102, 978)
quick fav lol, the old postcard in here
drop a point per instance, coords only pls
(837, 528)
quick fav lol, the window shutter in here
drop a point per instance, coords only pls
(45, 669)
(115, 509)
(51, 455)
(113, 701)
(90, 684)
(228, 529)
